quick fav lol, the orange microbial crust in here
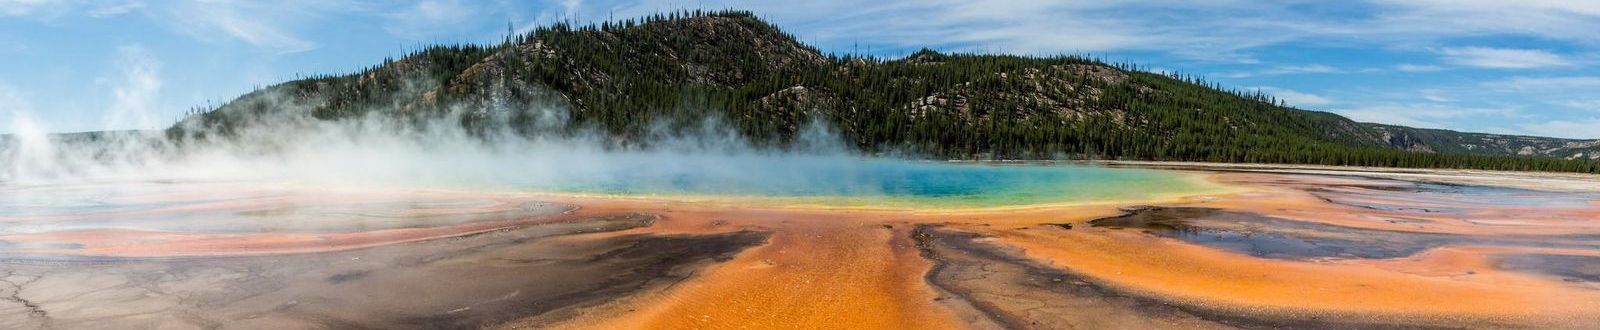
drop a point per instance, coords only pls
(1279, 250)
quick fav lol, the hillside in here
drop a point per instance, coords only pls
(1436, 140)
(629, 78)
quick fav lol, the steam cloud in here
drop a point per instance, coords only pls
(287, 144)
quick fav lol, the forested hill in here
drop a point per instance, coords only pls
(632, 77)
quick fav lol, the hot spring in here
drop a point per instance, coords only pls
(712, 164)
(816, 181)
(888, 183)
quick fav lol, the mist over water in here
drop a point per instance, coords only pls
(707, 160)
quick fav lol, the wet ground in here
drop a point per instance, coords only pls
(1278, 238)
(1279, 251)
(547, 270)
(1571, 268)
(1014, 292)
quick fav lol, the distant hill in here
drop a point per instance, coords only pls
(1445, 141)
(628, 78)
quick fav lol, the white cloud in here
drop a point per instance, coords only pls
(1588, 128)
(1293, 97)
(49, 10)
(1443, 19)
(115, 9)
(427, 17)
(1310, 68)
(1424, 115)
(31, 7)
(1435, 95)
(268, 25)
(1546, 83)
(1575, 92)
(1213, 30)
(1221, 30)
(1012, 26)
(1503, 58)
(1418, 68)
(1284, 70)
(1585, 104)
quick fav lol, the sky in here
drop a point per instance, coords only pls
(1527, 67)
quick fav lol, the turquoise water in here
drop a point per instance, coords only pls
(890, 183)
(829, 181)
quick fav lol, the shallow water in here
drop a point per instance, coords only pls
(1267, 237)
(815, 181)
(1278, 238)
(285, 206)
(895, 183)
(1571, 268)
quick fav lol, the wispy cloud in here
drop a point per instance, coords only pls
(1478, 47)
(1503, 58)
(115, 9)
(1414, 68)
(268, 25)
(49, 10)
(1446, 19)
(1587, 128)
(1309, 68)
(1435, 95)
(428, 17)
(1012, 26)
(1545, 83)
(30, 7)
(1425, 115)
(1284, 70)
(1221, 30)
(1584, 104)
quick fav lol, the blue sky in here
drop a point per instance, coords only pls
(1517, 67)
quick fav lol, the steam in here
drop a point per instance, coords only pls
(135, 90)
(27, 149)
(493, 144)
(32, 151)
(286, 144)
